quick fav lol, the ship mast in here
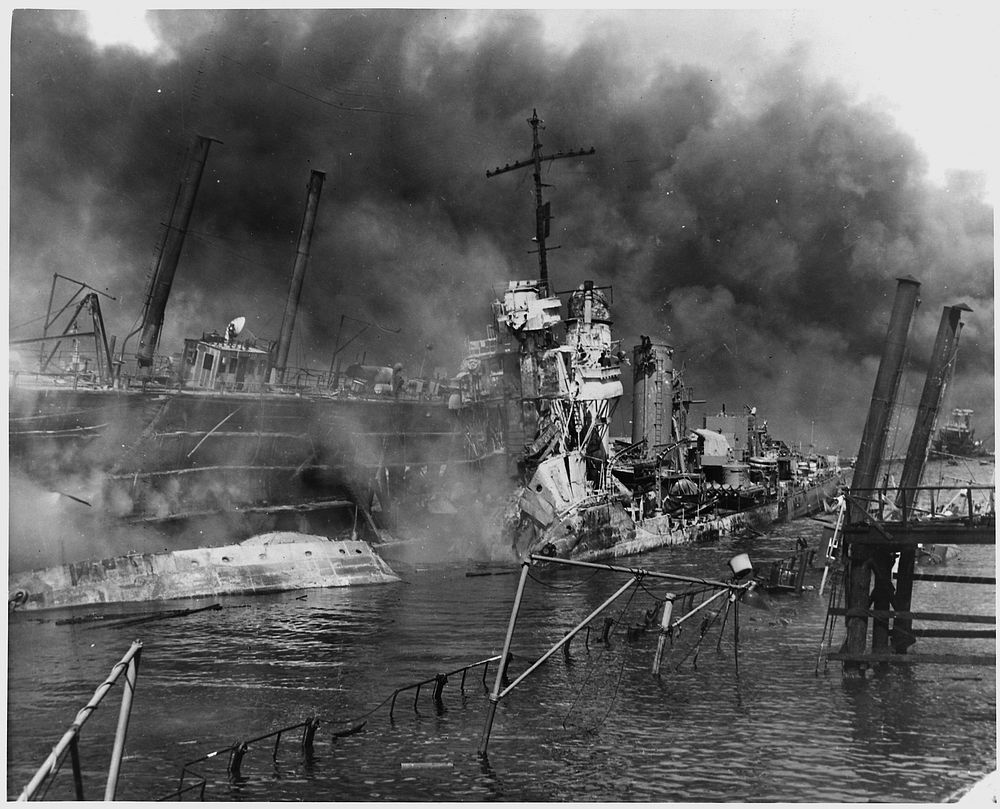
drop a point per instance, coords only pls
(298, 274)
(170, 252)
(542, 216)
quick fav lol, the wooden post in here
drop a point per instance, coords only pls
(942, 360)
(869, 460)
(881, 599)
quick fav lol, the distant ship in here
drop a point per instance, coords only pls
(957, 439)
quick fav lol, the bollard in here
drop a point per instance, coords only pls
(308, 733)
(439, 683)
(236, 759)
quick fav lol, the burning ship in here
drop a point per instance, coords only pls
(158, 460)
(584, 494)
(162, 461)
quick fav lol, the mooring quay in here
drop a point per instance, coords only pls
(887, 525)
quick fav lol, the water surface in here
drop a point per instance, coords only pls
(595, 727)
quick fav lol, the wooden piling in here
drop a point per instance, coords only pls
(860, 560)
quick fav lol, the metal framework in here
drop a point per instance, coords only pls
(502, 689)
(69, 743)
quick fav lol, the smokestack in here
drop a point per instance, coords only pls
(170, 252)
(652, 395)
(298, 273)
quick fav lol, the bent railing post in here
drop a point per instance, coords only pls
(131, 672)
(69, 740)
(502, 667)
(498, 694)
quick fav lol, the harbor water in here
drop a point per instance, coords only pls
(767, 723)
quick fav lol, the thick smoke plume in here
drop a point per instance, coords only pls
(759, 237)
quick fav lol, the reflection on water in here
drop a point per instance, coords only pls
(596, 726)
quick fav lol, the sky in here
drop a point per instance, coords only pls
(760, 180)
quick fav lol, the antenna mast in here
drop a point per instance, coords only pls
(542, 216)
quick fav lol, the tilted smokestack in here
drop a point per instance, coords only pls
(298, 273)
(170, 253)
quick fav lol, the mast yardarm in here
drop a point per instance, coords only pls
(542, 216)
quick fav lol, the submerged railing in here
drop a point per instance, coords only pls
(238, 751)
(69, 743)
(732, 591)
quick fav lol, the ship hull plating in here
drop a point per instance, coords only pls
(606, 530)
(262, 564)
(161, 458)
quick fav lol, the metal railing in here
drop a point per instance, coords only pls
(238, 751)
(920, 503)
(69, 743)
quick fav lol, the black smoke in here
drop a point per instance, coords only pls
(762, 239)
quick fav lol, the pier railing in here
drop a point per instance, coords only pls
(890, 528)
(69, 743)
(906, 505)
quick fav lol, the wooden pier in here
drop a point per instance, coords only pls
(886, 527)
(879, 588)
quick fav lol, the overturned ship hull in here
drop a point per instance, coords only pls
(262, 564)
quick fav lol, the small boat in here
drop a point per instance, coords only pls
(265, 563)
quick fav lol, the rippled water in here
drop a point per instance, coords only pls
(595, 727)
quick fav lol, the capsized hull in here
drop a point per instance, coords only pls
(266, 563)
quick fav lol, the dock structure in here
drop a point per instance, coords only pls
(887, 527)
(875, 592)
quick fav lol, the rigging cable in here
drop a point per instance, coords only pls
(621, 671)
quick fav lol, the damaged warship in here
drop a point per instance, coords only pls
(225, 443)
(124, 473)
(584, 494)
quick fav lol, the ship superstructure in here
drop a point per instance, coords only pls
(957, 438)
(551, 384)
